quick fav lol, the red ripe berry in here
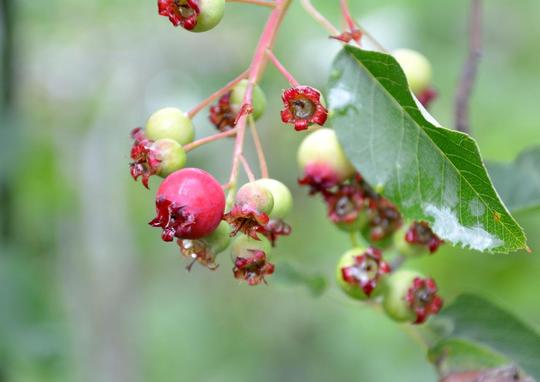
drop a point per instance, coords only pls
(189, 205)
(423, 299)
(253, 268)
(180, 13)
(145, 160)
(303, 107)
(222, 114)
(419, 233)
(366, 270)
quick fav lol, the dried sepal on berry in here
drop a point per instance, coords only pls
(205, 250)
(419, 233)
(182, 13)
(172, 218)
(222, 115)
(361, 269)
(427, 96)
(303, 107)
(253, 268)
(274, 229)
(384, 219)
(346, 206)
(423, 299)
(145, 160)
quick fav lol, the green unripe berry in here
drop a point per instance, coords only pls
(405, 248)
(170, 123)
(417, 69)
(346, 261)
(219, 240)
(171, 155)
(283, 200)
(255, 196)
(243, 244)
(320, 152)
(258, 99)
(212, 12)
(395, 292)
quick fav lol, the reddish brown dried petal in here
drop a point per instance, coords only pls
(275, 228)
(183, 13)
(247, 220)
(419, 233)
(253, 268)
(302, 107)
(366, 270)
(384, 218)
(197, 251)
(145, 161)
(222, 115)
(423, 299)
(345, 204)
(172, 219)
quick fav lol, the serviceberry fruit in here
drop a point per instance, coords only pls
(384, 220)
(417, 239)
(322, 161)
(258, 99)
(193, 15)
(170, 123)
(161, 157)
(359, 271)
(251, 210)
(251, 262)
(283, 200)
(409, 296)
(189, 205)
(347, 206)
(416, 67)
(205, 250)
(303, 107)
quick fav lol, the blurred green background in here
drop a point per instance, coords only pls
(88, 291)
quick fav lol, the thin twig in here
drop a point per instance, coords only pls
(258, 147)
(347, 15)
(193, 112)
(193, 145)
(282, 69)
(255, 2)
(247, 168)
(470, 69)
(318, 17)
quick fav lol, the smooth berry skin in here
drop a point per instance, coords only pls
(258, 99)
(283, 200)
(256, 197)
(346, 260)
(212, 12)
(219, 240)
(395, 292)
(416, 67)
(170, 123)
(200, 195)
(243, 245)
(321, 154)
(171, 155)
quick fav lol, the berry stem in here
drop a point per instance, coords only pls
(319, 18)
(347, 15)
(258, 147)
(193, 112)
(354, 240)
(193, 145)
(282, 69)
(247, 169)
(255, 2)
(255, 70)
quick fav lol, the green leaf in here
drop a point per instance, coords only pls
(475, 319)
(287, 274)
(518, 183)
(431, 173)
(456, 355)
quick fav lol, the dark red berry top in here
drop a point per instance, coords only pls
(253, 268)
(423, 299)
(145, 160)
(366, 270)
(419, 233)
(303, 107)
(183, 13)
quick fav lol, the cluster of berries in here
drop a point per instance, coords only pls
(191, 206)
(355, 207)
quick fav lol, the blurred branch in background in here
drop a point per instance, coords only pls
(470, 69)
(6, 105)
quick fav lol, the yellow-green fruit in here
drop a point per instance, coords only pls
(170, 123)
(219, 240)
(283, 200)
(258, 99)
(417, 69)
(171, 155)
(255, 196)
(322, 152)
(212, 12)
(346, 261)
(396, 288)
(243, 244)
